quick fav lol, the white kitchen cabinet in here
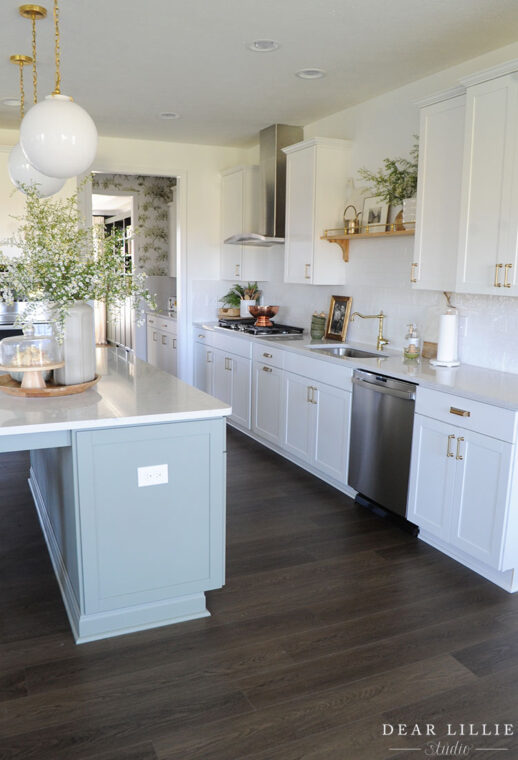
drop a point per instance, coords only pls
(203, 367)
(317, 171)
(459, 489)
(488, 252)
(162, 343)
(441, 147)
(232, 384)
(240, 212)
(267, 409)
(316, 424)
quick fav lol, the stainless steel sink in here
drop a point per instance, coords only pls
(346, 351)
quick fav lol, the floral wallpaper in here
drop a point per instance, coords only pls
(151, 195)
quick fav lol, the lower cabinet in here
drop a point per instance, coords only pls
(316, 424)
(460, 488)
(267, 408)
(227, 376)
(162, 344)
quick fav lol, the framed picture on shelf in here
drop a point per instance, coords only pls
(338, 319)
(374, 215)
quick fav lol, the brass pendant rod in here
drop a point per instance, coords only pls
(21, 61)
(57, 88)
(33, 12)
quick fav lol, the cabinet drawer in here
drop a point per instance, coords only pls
(319, 370)
(199, 335)
(167, 325)
(272, 356)
(463, 412)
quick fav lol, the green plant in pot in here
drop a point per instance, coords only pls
(239, 298)
(397, 181)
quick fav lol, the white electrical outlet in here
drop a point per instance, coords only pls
(153, 475)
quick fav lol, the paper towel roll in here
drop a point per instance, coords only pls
(447, 347)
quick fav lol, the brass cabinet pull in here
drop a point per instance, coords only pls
(164, 340)
(313, 399)
(201, 336)
(497, 283)
(307, 276)
(267, 356)
(449, 452)
(507, 267)
(459, 455)
(267, 369)
(459, 412)
(237, 270)
(174, 342)
(309, 394)
(413, 266)
(228, 363)
(209, 357)
(155, 337)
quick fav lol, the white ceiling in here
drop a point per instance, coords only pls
(127, 60)
(106, 205)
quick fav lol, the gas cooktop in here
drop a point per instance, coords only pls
(274, 330)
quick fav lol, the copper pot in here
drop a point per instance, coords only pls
(262, 314)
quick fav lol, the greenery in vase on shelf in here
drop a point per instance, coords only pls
(397, 181)
(237, 293)
(63, 260)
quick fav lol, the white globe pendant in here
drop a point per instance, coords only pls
(58, 137)
(23, 174)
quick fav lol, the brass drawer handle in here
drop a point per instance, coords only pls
(449, 452)
(507, 267)
(459, 412)
(267, 369)
(164, 340)
(313, 399)
(174, 342)
(459, 455)
(413, 266)
(201, 336)
(268, 356)
(497, 283)
(155, 337)
(209, 357)
(307, 276)
(309, 395)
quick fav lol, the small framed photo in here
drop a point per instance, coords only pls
(338, 320)
(374, 215)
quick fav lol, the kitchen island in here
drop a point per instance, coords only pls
(128, 480)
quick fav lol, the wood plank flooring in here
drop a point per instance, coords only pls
(332, 623)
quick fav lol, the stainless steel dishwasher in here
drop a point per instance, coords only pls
(381, 439)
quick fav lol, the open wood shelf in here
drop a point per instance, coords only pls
(342, 239)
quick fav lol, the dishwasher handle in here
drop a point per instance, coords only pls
(405, 395)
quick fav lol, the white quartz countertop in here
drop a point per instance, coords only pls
(468, 381)
(130, 392)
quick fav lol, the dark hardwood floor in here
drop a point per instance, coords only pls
(331, 624)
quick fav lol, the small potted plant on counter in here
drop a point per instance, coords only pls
(238, 299)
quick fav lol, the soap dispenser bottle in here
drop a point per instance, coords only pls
(412, 348)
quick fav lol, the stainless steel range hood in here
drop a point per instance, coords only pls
(273, 186)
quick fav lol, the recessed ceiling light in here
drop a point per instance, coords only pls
(11, 102)
(169, 115)
(310, 74)
(263, 46)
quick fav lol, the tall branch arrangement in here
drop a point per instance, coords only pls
(62, 260)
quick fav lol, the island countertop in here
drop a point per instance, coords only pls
(130, 392)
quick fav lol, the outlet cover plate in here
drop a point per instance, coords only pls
(153, 475)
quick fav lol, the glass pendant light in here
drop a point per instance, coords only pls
(57, 136)
(21, 172)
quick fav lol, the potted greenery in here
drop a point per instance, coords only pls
(239, 298)
(397, 182)
(61, 265)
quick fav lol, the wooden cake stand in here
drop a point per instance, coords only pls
(32, 376)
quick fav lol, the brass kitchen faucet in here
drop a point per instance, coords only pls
(381, 340)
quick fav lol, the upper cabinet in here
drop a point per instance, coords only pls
(441, 148)
(489, 197)
(467, 201)
(240, 212)
(316, 178)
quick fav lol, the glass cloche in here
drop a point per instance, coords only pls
(29, 351)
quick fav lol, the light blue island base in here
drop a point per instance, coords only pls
(129, 557)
